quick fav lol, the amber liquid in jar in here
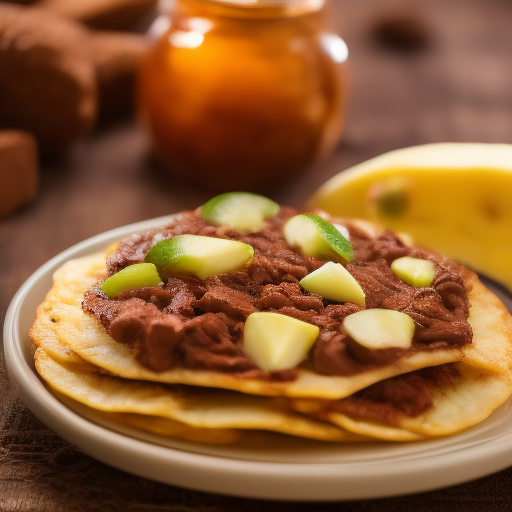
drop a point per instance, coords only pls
(243, 94)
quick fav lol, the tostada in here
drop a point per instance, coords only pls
(323, 327)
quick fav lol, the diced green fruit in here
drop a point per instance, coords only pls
(414, 271)
(317, 238)
(242, 211)
(277, 342)
(334, 282)
(135, 276)
(377, 329)
(202, 256)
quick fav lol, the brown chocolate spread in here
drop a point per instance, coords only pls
(386, 401)
(198, 324)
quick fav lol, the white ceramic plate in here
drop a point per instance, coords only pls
(287, 469)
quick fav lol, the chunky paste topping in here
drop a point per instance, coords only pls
(198, 324)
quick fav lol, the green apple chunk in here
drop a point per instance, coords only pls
(277, 342)
(202, 256)
(135, 276)
(377, 329)
(242, 211)
(334, 282)
(317, 238)
(414, 271)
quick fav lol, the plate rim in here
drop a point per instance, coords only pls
(308, 481)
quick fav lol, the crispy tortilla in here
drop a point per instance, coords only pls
(200, 408)
(80, 360)
(464, 399)
(61, 318)
(483, 383)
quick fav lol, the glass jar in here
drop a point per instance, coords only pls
(244, 94)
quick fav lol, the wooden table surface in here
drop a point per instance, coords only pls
(456, 88)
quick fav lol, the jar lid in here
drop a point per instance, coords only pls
(284, 7)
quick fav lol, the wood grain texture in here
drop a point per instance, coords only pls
(457, 88)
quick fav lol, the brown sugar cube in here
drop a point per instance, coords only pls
(47, 81)
(116, 56)
(103, 14)
(18, 170)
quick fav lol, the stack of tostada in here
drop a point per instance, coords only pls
(246, 316)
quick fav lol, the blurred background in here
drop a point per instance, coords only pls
(417, 73)
(83, 162)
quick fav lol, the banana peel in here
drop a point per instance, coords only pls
(452, 197)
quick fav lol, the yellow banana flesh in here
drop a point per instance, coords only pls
(452, 197)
